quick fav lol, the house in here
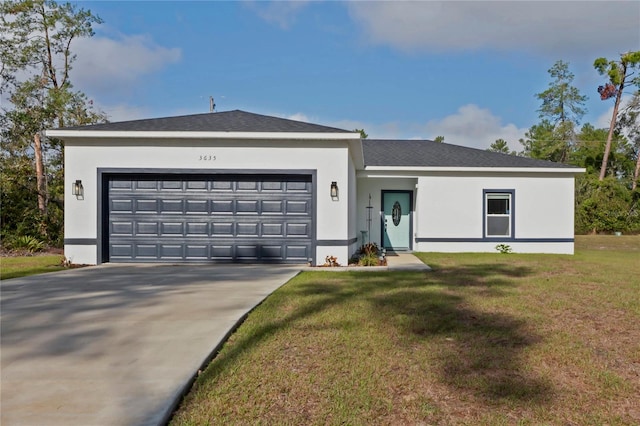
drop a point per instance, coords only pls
(241, 187)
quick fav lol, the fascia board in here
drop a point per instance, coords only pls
(371, 171)
(355, 146)
(73, 134)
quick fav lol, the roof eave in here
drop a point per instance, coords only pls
(568, 170)
(110, 134)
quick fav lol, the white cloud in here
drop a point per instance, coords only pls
(115, 63)
(280, 13)
(470, 126)
(568, 27)
(474, 127)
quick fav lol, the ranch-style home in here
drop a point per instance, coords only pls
(241, 187)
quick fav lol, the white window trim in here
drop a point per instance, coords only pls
(510, 194)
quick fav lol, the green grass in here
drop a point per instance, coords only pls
(483, 339)
(22, 266)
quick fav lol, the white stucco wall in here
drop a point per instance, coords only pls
(450, 207)
(329, 158)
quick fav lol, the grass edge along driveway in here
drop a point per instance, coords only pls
(484, 339)
(22, 266)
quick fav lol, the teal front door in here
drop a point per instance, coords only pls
(396, 220)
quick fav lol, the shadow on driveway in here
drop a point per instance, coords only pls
(116, 344)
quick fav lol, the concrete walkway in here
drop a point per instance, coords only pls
(402, 261)
(115, 344)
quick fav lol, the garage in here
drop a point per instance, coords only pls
(263, 218)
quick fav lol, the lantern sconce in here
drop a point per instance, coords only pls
(334, 190)
(77, 189)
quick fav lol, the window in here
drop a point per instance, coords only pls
(498, 214)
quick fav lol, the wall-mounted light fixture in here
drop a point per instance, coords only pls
(77, 189)
(334, 189)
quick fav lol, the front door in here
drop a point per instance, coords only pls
(396, 220)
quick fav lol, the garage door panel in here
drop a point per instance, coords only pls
(302, 207)
(298, 252)
(247, 206)
(298, 187)
(171, 229)
(271, 252)
(222, 206)
(273, 186)
(246, 229)
(121, 228)
(171, 185)
(254, 218)
(272, 207)
(146, 184)
(222, 185)
(222, 252)
(247, 186)
(194, 251)
(147, 228)
(222, 229)
(200, 229)
(122, 250)
(171, 251)
(297, 229)
(197, 185)
(120, 184)
(146, 251)
(146, 206)
(121, 206)
(272, 229)
(172, 206)
(196, 206)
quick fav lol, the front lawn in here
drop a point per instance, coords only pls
(22, 266)
(483, 339)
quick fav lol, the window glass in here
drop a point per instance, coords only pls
(498, 214)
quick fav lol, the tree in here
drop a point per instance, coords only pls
(500, 145)
(36, 57)
(629, 124)
(363, 134)
(589, 150)
(561, 110)
(620, 75)
(541, 142)
(561, 102)
(439, 139)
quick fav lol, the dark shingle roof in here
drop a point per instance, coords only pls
(425, 153)
(228, 121)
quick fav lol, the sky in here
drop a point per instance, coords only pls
(468, 71)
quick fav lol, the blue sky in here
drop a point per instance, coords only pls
(466, 70)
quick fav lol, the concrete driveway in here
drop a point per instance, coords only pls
(117, 344)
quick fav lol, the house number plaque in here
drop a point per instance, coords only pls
(207, 157)
(396, 213)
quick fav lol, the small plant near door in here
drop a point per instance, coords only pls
(504, 248)
(368, 255)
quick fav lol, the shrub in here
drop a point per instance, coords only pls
(369, 249)
(26, 243)
(605, 206)
(368, 260)
(367, 255)
(504, 248)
